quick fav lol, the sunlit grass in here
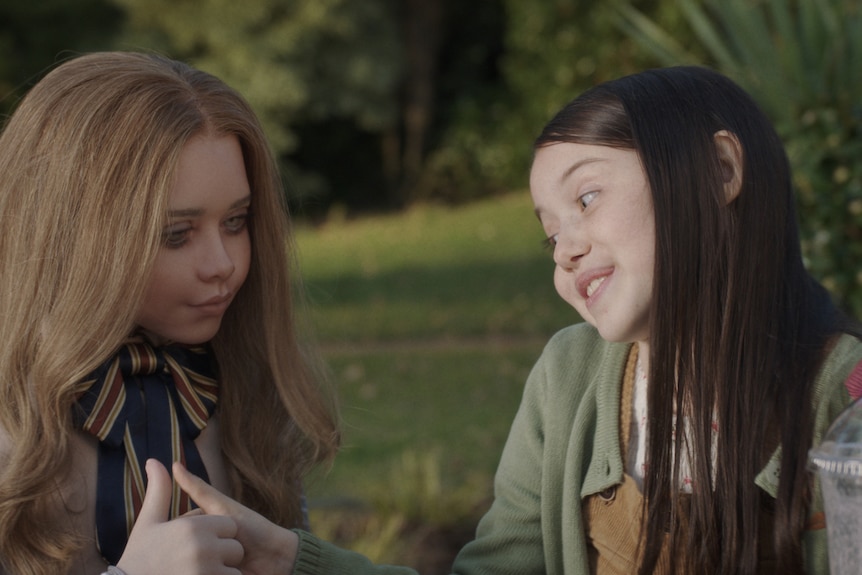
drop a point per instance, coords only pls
(459, 401)
(430, 322)
(477, 270)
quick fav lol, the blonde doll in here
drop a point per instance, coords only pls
(143, 224)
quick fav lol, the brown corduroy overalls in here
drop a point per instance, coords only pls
(613, 518)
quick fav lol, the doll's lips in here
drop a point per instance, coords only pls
(591, 281)
(215, 304)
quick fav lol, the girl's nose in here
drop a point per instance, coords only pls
(570, 247)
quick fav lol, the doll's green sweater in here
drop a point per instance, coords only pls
(563, 446)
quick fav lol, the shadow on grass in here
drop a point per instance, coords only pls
(424, 427)
(480, 299)
(414, 519)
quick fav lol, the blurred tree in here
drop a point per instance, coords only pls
(447, 50)
(371, 104)
(35, 35)
(421, 33)
(540, 55)
(302, 64)
(470, 88)
(801, 60)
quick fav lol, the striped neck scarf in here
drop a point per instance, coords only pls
(143, 403)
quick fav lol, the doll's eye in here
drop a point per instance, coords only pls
(175, 236)
(236, 224)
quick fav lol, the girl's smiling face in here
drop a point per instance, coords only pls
(206, 249)
(595, 207)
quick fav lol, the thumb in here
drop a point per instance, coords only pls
(157, 500)
(210, 500)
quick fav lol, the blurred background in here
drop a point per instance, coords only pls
(404, 131)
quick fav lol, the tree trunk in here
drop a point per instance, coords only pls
(422, 27)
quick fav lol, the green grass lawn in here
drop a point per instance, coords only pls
(430, 322)
(475, 271)
(456, 402)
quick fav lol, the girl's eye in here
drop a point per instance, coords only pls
(175, 237)
(586, 199)
(236, 224)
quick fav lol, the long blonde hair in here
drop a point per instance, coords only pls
(87, 163)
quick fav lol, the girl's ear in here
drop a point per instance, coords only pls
(730, 158)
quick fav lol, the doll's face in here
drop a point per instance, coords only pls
(595, 207)
(206, 250)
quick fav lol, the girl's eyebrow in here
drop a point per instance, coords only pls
(195, 212)
(578, 165)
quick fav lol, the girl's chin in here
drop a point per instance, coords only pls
(612, 333)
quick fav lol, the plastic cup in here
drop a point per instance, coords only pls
(838, 461)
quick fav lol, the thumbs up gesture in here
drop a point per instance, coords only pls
(195, 544)
(222, 537)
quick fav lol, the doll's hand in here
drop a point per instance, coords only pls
(195, 544)
(269, 549)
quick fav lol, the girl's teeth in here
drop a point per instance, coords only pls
(594, 285)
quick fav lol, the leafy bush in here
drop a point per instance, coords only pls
(827, 152)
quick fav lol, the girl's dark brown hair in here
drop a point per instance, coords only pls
(738, 327)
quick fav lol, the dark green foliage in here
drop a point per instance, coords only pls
(35, 35)
(826, 151)
(548, 53)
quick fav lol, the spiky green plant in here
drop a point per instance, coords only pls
(802, 61)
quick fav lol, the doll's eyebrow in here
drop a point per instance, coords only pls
(187, 213)
(242, 202)
(195, 212)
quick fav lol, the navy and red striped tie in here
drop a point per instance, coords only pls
(143, 403)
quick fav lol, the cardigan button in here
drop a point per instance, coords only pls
(609, 494)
